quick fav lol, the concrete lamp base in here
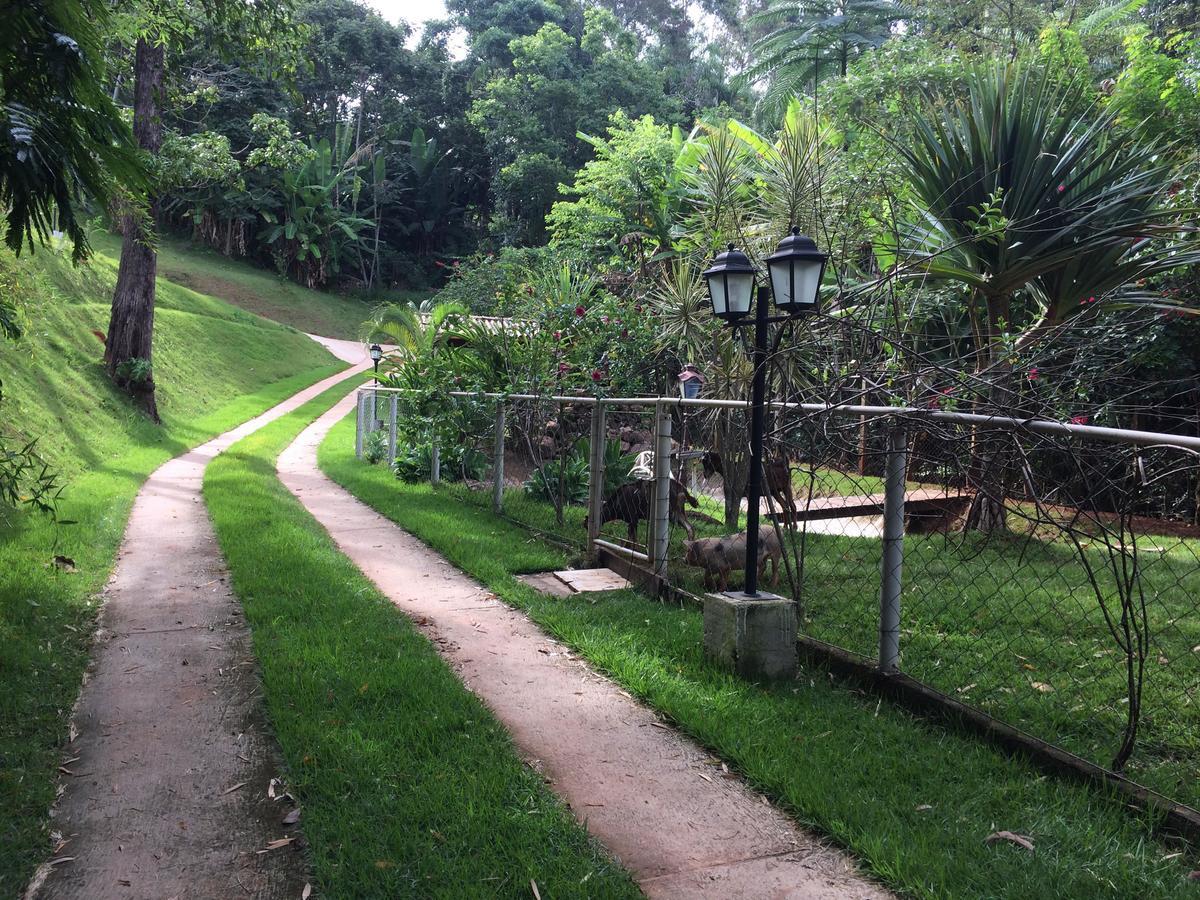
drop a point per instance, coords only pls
(753, 636)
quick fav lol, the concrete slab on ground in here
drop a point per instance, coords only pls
(575, 581)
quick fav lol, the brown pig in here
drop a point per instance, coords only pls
(718, 556)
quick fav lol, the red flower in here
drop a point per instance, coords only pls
(624, 334)
(597, 374)
(580, 311)
(1033, 373)
(1079, 420)
(604, 320)
(563, 368)
(558, 335)
(638, 308)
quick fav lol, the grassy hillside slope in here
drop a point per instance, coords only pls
(216, 365)
(260, 291)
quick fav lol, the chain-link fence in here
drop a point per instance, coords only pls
(1046, 574)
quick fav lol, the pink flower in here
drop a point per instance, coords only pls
(624, 334)
(563, 368)
(558, 335)
(1061, 188)
(604, 320)
(580, 311)
(1033, 373)
(638, 308)
(1079, 420)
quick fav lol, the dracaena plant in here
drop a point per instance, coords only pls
(1029, 196)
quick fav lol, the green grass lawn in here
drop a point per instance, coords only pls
(216, 366)
(261, 291)
(913, 799)
(409, 786)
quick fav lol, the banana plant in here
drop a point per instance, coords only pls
(316, 232)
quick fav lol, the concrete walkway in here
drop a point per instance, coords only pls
(166, 794)
(682, 826)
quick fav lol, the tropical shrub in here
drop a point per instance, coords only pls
(562, 482)
(375, 447)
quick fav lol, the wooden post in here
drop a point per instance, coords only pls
(498, 460)
(435, 462)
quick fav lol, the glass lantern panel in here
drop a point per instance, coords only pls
(741, 290)
(795, 284)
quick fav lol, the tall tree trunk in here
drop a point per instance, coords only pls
(131, 325)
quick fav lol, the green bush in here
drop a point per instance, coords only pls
(414, 463)
(543, 484)
(375, 447)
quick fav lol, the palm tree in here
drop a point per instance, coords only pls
(1028, 196)
(807, 40)
(418, 332)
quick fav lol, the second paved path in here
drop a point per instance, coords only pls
(645, 791)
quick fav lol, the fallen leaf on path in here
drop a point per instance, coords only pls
(536, 893)
(240, 784)
(705, 777)
(1041, 686)
(275, 845)
(307, 892)
(661, 725)
(293, 817)
(1012, 837)
(64, 859)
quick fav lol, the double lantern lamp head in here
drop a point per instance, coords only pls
(795, 271)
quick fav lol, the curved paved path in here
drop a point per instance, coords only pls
(647, 793)
(166, 794)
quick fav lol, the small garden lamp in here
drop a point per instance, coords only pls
(691, 380)
(376, 356)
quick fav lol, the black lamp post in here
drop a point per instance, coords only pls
(795, 271)
(376, 356)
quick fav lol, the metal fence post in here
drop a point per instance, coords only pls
(358, 427)
(891, 563)
(498, 460)
(596, 474)
(660, 508)
(435, 461)
(393, 417)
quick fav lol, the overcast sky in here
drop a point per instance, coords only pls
(413, 11)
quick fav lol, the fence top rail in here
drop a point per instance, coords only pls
(856, 411)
